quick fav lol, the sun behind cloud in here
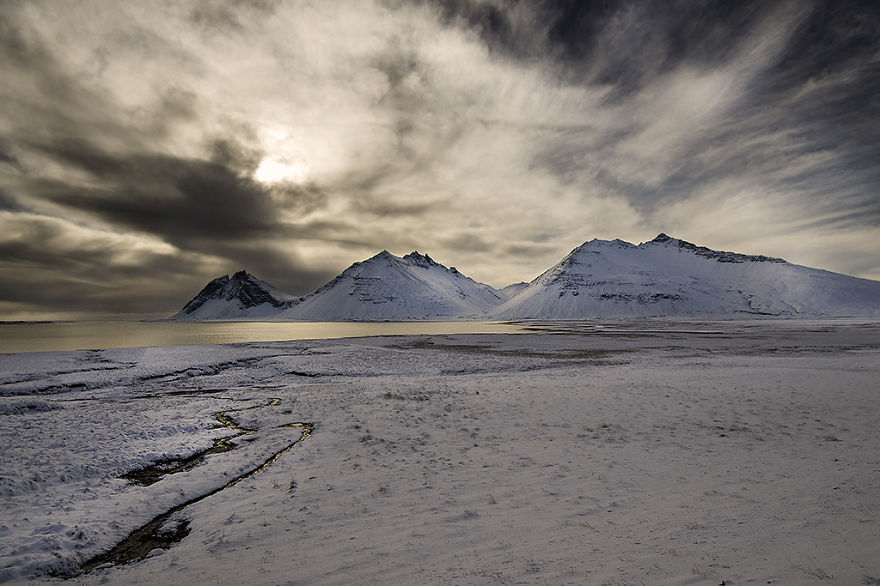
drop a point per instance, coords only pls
(272, 170)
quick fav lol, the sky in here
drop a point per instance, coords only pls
(148, 147)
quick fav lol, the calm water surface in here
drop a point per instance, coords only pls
(54, 336)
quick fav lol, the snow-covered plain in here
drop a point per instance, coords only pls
(641, 452)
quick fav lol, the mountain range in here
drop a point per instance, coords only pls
(601, 278)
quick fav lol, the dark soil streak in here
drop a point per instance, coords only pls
(140, 542)
(155, 472)
(201, 370)
(583, 354)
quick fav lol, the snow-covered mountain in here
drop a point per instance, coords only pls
(663, 277)
(388, 287)
(242, 296)
(511, 290)
(668, 276)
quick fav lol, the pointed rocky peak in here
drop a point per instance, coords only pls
(379, 259)
(420, 260)
(595, 246)
(666, 240)
(384, 255)
(241, 290)
(215, 289)
(219, 280)
(388, 287)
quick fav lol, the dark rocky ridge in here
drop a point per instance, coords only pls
(719, 255)
(246, 289)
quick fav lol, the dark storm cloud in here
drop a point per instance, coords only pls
(292, 139)
(90, 271)
(492, 22)
(97, 272)
(201, 204)
(8, 203)
(186, 201)
(616, 43)
(45, 244)
(274, 267)
(7, 157)
(815, 94)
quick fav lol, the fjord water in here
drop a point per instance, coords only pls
(58, 336)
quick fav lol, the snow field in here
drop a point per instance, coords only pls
(648, 453)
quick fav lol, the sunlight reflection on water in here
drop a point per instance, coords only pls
(55, 336)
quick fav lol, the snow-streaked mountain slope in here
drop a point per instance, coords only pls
(511, 290)
(242, 296)
(387, 287)
(667, 276)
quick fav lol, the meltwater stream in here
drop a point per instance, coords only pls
(165, 529)
(157, 471)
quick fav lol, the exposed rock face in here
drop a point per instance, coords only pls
(718, 255)
(239, 296)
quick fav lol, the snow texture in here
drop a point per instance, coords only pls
(663, 277)
(511, 290)
(640, 452)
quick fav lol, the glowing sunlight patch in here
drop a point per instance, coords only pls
(273, 171)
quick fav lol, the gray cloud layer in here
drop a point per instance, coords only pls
(148, 147)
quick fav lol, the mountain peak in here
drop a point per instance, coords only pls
(384, 255)
(610, 278)
(388, 287)
(670, 276)
(596, 243)
(240, 294)
(420, 260)
(717, 255)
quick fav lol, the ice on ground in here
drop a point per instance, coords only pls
(629, 452)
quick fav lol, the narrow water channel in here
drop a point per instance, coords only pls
(169, 527)
(158, 470)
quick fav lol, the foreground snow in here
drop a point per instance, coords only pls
(634, 452)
